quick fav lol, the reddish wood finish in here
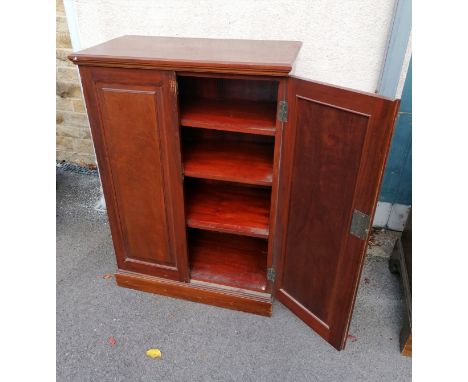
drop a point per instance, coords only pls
(231, 104)
(227, 87)
(273, 242)
(406, 342)
(139, 194)
(232, 260)
(133, 117)
(202, 135)
(340, 139)
(401, 262)
(243, 162)
(328, 161)
(225, 207)
(233, 115)
(193, 54)
(207, 294)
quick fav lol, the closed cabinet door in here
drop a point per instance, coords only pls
(134, 123)
(334, 150)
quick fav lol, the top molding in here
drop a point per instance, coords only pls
(256, 57)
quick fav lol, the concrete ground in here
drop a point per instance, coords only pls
(200, 342)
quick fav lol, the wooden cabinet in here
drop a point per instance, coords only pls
(230, 182)
(401, 262)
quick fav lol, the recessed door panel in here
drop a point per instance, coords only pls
(132, 129)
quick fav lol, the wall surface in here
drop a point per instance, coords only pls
(396, 192)
(344, 42)
(74, 142)
(405, 68)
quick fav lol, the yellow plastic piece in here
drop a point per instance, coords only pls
(153, 353)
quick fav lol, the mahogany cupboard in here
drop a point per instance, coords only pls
(230, 182)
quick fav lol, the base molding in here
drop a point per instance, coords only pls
(211, 295)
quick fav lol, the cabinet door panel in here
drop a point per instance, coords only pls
(134, 152)
(134, 127)
(335, 146)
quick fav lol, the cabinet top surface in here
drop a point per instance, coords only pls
(198, 54)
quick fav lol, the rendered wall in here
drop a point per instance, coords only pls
(344, 42)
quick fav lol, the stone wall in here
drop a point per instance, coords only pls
(74, 142)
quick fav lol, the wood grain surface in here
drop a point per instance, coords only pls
(335, 147)
(229, 115)
(232, 260)
(242, 162)
(194, 54)
(225, 207)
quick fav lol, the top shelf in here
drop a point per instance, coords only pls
(233, 115)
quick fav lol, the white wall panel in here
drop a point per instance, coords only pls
(344, 42)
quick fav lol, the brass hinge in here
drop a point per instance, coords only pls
(174, 86)
(360, 225)
(283, 111)
(271, 274)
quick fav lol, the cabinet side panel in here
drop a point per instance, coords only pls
(131, 126)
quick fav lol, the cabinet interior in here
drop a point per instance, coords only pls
(227, 104)
(228, 128)
(230, 260)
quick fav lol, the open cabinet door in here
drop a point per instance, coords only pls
(335, 146)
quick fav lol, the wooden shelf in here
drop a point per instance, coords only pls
(253, 117)
(224, 207)
(242, 162)
(231, 260)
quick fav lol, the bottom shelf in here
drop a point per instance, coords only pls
(231, 260)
